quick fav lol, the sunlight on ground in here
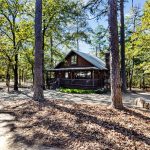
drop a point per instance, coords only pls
(5, 134)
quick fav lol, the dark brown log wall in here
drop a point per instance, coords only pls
(80, 62)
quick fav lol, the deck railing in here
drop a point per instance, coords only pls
(78, 83)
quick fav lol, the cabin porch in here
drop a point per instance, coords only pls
(80, 78)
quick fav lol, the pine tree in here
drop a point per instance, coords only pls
(38, 66)
(116, 95)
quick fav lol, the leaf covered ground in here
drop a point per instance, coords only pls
(71, 126)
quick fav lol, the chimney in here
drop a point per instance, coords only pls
(107, 59)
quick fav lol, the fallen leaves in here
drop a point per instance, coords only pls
(74, 126)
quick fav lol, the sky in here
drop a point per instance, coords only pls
(93, 24)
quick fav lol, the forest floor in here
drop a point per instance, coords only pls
(69, 124)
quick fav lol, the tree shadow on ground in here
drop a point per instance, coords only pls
(59, 134)
(24, 93)
(63, 142)
(105, 124)
(58, 129)
(136, 114)
(14, 95)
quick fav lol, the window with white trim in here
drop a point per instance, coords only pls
(74, 60)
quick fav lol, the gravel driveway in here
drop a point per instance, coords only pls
(128, 99)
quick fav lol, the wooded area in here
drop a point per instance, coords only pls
(35, 36)
(65, 24)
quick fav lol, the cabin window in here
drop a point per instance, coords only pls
(74, 59)
(50, 75)
(66, 75)
(83, 75)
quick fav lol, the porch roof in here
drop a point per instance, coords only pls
(75, 68)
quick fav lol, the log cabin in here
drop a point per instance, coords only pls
(79, 70)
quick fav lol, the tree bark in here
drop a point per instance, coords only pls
(32, 69)
(38, 67)
(132, 68)
(16, 58)
(116, 95)
(16, 73)
(51, 43)
(43, 47)
(77, 33)
(96, 52)
(8, 77)
(20, 78)
(143, 81)
(131, 74)
(122, 43)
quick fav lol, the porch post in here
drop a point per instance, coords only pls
(93, 77)
(47, 78)
(58, 77)
(71, 74)
(50, 74)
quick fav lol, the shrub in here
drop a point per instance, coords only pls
(101, 91)
(80, 91)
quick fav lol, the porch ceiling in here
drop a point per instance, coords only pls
(75, 68)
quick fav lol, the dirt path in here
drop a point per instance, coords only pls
(6, 136)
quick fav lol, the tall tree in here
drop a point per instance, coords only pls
(122, 44)
(11, 12)
(79, 25)
(135, 22)
(99, 39)
(116, 95)
(140, 38)
(131, 72)
(38, 66)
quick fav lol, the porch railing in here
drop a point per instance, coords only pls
(78, 83)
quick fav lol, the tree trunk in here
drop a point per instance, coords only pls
(132, 67)
(16, 73)
(140, 82)
(16, 59)
(122, 43)
(116, 95)
(132, 3)
(77, 33)
(51, 43)
(127, 79)
(8, 77)
(38, 68)
(16, 55)
(43, 47)
(20, 77)
(131, 74)
(143, 81)
(96, 52)
(33, 74)
(22, 74)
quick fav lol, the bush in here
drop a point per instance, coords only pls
(101, 91)
(80, 91)
(77, 91)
